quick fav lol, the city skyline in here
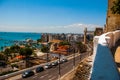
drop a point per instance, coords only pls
(52, 15)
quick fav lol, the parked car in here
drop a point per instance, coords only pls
(60, 62)
(54, 63)
(3, 64)
(48, 66)
(27, 74)
(39, 69)
(64, 60)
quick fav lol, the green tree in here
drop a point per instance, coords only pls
(81, 47)
(15, 48)
(39, 40)
(26, 52)
(2, 57)
(45, 49)
(7, 53)
(116, 7)
(64, 43)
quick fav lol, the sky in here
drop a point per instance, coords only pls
(58, 16)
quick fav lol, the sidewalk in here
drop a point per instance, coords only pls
(69, 75)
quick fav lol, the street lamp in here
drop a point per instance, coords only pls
(74, 58)
(59, 67)
(73, 48)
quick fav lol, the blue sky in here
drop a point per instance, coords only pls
(39, 15)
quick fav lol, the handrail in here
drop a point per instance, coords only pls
(103, 61)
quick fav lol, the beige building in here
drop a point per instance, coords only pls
(112, 20)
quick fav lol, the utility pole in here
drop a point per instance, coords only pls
(74, 59)
(47, 58)
(73, 47)
(59, 67)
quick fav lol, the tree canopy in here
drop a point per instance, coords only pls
(26, 51)
(81, 47)
(2, 56)
(15, 48)
(45, 49)
(7, 51)
(39, 40)
(64, 43)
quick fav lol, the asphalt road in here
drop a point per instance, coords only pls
(53, 73)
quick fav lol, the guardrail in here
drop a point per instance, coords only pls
(104, 66)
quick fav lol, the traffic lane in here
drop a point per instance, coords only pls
(41, 75)
(53, 72)
(49, 73)
(19, 76)
(70, 66)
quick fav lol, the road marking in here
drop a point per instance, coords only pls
(49, 76)
(43, 76)
(52, 78)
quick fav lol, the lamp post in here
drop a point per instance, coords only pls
(73, 48)
(59, 67)
(74, 58)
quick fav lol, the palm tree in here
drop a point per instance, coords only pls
(2, 57)
(7, 52)
(116, 7)
(26, 52)
(81, 47)
(45, 49)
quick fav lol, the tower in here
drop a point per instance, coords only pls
(85, 32)
(112, 20)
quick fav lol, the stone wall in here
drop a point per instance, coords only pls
(112, 20)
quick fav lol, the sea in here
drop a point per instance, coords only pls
(9, 38)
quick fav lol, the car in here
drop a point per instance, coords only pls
(27, 74)
(54, 63)
(3, 64)
(39, 69)
(60, 62)
(64, 60)
(48, 66)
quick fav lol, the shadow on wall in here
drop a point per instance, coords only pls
(113, 49)
(118, 65)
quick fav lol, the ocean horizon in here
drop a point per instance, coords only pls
(9, 38)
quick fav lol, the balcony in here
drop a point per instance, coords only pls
(104, 65)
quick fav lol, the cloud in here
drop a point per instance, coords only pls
(73, 28)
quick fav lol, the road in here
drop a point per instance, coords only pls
(52, 74)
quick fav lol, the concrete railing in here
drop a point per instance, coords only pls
(104, 66)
